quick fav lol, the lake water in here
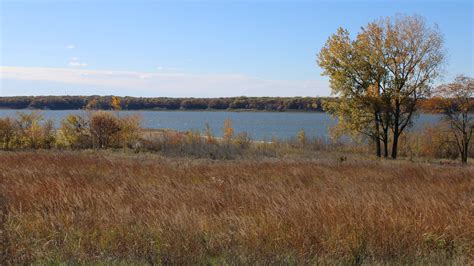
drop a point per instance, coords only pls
(260, 125)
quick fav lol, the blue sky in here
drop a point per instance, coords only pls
(199, 48)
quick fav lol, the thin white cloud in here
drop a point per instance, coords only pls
(74, 62)
(162, 68)
(163, 84)
(77, 64)
(70, 46)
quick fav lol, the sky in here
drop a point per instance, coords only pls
(196, 48)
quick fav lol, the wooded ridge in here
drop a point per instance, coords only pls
(166, 103)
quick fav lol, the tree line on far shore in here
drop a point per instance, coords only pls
(164, 103)
(95, 102)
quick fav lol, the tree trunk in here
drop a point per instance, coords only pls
(385, 142)
(465, 152)
(377, 146)
(377, 138)
(396, 128)
(395, 144)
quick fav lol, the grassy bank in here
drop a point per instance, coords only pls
(61, 206)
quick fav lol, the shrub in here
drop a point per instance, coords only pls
(75, 132)
(434, 141)
(130, 127)
(48, 135)
(27, 131)
(105, 128)
(193, 137)
(209, 135)
(242, 140)
(30, 131)
(172, 140)
(227, 130)
(7, 132)
(302, 137)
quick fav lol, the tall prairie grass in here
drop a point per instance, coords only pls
(104, 207)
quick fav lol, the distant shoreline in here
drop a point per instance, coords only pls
(193, 110)
(223, 104)
(265, 104)
(174, 110)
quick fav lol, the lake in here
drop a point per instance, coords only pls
(260, 125)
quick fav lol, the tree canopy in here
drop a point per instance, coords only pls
(381, 75)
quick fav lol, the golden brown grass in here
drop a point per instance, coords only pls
(112, 207)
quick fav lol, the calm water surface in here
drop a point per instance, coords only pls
(260, 125)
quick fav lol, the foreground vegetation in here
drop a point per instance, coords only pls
(84, 207)
(108, 130)
(100, 189)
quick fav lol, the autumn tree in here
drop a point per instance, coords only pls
(93, 104)
(412, 54)
(115, 103)
(456, 102)
(354, 78)
(29, 130)
(359, 120)
(105, 128)
(381, 75)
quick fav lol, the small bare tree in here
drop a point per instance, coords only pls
(456, 102)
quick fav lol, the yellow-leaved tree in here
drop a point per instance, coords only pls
(228, 131)
(380, 76)
(116, 103)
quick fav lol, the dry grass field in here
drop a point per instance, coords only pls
(114, 207)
